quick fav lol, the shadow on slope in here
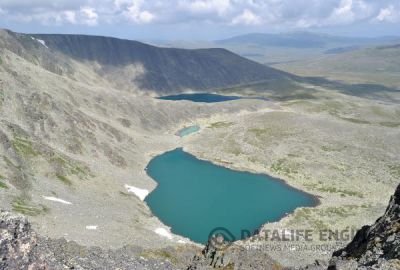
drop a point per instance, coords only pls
(166, 69)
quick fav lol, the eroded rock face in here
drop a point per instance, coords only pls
(376, 246)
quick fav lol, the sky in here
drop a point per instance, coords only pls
(200, 19)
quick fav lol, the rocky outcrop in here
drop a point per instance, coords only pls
(21, 248)
(233, 258)
(376, 246)
(18, 244)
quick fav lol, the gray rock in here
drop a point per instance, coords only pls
(376, 246)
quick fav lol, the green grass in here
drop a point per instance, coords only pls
(69, 167)
(2, 185)
(328, 148)
(340, 191)
(390, 124)
(394, 170)
(22, 206)
(354, 120)
(10, 163)
(157, 254)
(259, 132)
(24, 147)
(64, 179)
(1, 96)
(283, 166)
(220, 125)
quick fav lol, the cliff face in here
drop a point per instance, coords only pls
(376, 246)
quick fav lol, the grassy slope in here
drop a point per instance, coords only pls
(373, 65)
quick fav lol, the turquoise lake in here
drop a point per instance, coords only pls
(206, 97)
(188, 130)
(194, 197)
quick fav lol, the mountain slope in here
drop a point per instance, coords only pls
(159, 69)
(71, 142)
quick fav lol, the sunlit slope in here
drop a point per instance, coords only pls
(376, 65)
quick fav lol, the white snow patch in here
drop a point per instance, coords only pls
(181, 242)
(141, 193)
(40, 41)
(163, 232)
(54, 199)
(91, 227)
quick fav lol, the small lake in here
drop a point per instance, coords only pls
(194, 197)
(188, 130)
(201, 97)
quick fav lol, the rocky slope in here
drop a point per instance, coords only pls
(21, 248)
(376, 246)
(373, 247)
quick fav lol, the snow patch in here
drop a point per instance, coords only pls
(91, 227)
(163, 232)
(54, 199)
(181, 242)
(40, 41)
(139, 192)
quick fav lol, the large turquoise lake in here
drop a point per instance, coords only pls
(194, 197)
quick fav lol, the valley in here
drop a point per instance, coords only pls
(78, 131)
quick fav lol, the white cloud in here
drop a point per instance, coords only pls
(70, 16)
(135, 13)
(388, 14)
(274, 13)
(247, 18)
(220, 7)
(349, 11)
(89, 16)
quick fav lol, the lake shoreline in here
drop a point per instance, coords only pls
(315, 201)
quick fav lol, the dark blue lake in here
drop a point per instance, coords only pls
(194, 197)
(201, 97)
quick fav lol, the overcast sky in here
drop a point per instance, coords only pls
(200, 19)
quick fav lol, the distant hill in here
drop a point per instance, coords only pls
(375, 64)
(160, 69)
(302, 40)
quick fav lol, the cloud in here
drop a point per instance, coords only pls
(88, 16)
(247, 13)
(388, 14)
(134, 12)
(247, 18)
(219, 7)
(349, 11)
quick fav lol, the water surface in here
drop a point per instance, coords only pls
(201, 97)
(194, 197)
(188, 130)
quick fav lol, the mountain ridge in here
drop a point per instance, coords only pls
(144, 66)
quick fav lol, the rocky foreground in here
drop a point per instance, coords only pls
(374, 247)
